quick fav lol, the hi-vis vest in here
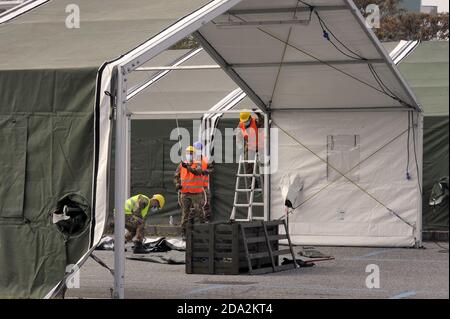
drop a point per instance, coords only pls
(191, 183)
(205, 162)
(251, 135)
(131, 203)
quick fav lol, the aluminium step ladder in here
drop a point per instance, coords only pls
(249, 190)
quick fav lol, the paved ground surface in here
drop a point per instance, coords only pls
(404, 273)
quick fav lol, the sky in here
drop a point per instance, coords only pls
(442, 4)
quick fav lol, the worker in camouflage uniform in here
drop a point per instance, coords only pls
(205, 162)
(137, 209)
(189, 183)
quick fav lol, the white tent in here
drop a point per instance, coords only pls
(348, 124)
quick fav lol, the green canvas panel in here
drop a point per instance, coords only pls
(426, 70)
(435, 166)
(32, 260)
(51, 147)
(13, 143)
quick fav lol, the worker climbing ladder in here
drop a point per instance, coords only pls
(250, 182)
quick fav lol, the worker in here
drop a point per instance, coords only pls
(208, 166)
(248, 134)
(137, 209)
(189, 183)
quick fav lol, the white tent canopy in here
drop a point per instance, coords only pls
(292, 65)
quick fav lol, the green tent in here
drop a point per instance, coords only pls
(426, 70)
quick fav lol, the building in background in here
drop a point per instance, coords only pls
(429, 10)
(412, 5)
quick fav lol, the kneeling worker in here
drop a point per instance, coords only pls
(136, 212)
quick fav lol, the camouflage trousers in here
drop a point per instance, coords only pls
(136, 227)
(191, 207)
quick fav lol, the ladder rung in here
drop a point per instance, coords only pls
(258, 204)
(248, 161)
(243, 190)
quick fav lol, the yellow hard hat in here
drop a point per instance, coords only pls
(190, 149)
(244, 116)
(160, 198)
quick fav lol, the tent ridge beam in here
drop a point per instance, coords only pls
(345, 109)
(286, 10)
(180, 68)
(230, 71)
(304, 63)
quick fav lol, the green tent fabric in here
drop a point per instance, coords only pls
(426, 70)
(48, 79)
(46, 128)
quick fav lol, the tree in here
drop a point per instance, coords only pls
(398, 24)
(187, 43)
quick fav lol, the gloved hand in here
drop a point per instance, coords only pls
(178, 187)
(206, 173)
(184, 164)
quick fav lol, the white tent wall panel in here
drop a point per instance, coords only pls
(365, 221)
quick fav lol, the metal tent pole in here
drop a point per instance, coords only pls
(121, 183)
(419, 141)
(267, 171)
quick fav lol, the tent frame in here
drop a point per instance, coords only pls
(138, 57)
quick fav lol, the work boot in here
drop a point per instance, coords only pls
(139, 248)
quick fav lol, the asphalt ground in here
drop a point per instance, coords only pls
(403, 273)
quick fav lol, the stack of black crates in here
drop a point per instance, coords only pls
(235, 248)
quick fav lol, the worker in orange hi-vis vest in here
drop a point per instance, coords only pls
(251, 136)
(207, 170)
(189, 183)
